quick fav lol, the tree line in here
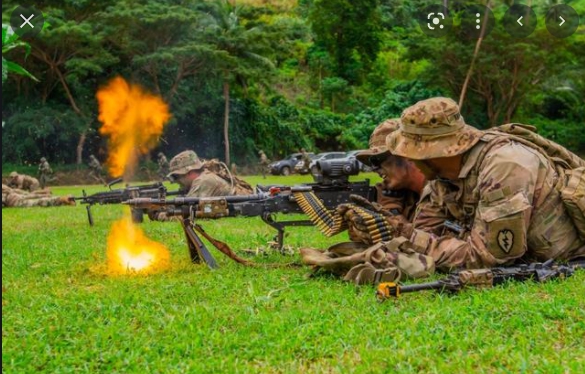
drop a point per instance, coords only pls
(278, 75)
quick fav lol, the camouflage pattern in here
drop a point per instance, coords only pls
(432, 128)
(163, 165)
(403, 203)
(44, 172)
(209, 184)
(377, 142)
(263, 163)
(95, 169)
(504, 206)
(183, 163)
(23, 182)
(305, 158)
(383, 262)
(12, 197)
(237, 186)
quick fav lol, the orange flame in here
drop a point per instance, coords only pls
(133, 119)
(129, 250)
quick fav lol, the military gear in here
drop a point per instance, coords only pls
(484, 278)
(44, 172)
(362, 264)
(507, 198)
(432, 128)
(183, 163)
(378, 140)
(13, 197)
(573, 195)
(163, 165)
(237, 186)
(23, 182)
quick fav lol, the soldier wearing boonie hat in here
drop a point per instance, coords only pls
(188, 170)
(402, 181)
(493, 201)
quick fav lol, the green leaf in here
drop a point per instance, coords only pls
(15, 68)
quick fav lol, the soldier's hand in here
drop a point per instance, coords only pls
(370, 205)
(365, 225)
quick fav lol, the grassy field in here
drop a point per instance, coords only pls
(62, 313)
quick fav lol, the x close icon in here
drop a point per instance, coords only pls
(27, 21)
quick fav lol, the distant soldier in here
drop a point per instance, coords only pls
(13, 197)
(44, 173)
(306, 159)
(263, 163)
(95, 169)
(163, 166)
(23, 182)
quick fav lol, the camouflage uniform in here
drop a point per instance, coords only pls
(263, 163)
(306, 159)
(44, 172)
(12, 197)
(23, 182)
(505, 199)
(207, 184)
(359, 261)
(95, 169)
(163, 165)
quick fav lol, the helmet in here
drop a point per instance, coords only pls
(260, 152)
(432, 128)
(43, 159)
(13, 174)
(378, 140)
(160, 154)
(183, 163)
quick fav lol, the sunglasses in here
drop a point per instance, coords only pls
(377, 160)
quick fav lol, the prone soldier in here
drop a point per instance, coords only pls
(23, 182)
(13, 197)
(503, 193)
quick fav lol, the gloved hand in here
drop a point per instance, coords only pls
(365, 225)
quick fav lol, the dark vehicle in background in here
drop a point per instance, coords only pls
(286, 166)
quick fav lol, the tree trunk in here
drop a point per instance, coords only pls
(226, 121)
(475, 54)
(79, 149)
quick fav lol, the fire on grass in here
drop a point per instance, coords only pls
(133, 120)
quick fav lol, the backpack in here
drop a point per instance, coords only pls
(239, 186)
(571, 168)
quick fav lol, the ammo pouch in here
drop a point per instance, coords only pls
(382, 262)
(573, 196)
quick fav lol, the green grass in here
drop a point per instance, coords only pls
(61, 313)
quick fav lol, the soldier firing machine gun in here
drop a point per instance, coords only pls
(313, 199)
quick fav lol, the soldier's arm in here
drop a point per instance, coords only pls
(498, 234)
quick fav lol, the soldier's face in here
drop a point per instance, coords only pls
(396, 172)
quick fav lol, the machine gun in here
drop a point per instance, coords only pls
(455, 282)
(312, 199)
(117, 196)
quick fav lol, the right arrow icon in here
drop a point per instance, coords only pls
(563, 21)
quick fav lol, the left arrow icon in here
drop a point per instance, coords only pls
(518, 20)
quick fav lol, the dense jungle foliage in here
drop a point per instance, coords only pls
(318, 74)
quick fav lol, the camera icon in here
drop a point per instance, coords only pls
(434, 21)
